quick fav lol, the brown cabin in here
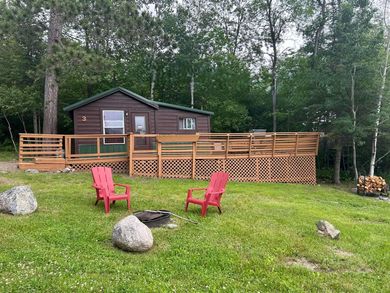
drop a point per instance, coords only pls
(120, 111)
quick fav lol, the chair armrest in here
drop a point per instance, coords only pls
(123, 185)
(189, 193)
(127, 186)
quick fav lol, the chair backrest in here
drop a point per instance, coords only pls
(217, 183)
(102, 176)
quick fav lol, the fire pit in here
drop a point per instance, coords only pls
(154, 219)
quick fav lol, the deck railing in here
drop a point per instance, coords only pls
(133, 149)
(79, 147)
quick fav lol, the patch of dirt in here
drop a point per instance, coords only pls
(6, 167)
(304, 263)
(6, 181)
(342, 253)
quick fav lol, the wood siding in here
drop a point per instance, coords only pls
(116, 101)
(168, 121)
(163, 120)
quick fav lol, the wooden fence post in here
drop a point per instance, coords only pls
(20, 155)
(227, 146)
(193, 159)
(67, 147)
(273, 144)
(98, 147)
(159, 156)
(250, 146)
(131, 151)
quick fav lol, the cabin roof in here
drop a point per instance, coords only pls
(153, 104)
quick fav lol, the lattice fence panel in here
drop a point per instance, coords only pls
(303, 170)
(147, 168)
(205, 167)
(264, 167)
(117, 167)
(242, 169)
(177, 169)
(279, 169)
(286, 169)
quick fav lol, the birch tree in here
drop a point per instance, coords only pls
(386, 32)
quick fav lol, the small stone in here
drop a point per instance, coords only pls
(130, 234)
(171, 226)
(31, 171)
(384, 198)
(67, 170)
(19, 200)
(327, 229)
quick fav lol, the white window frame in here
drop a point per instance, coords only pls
(123, 126)
(191, 121)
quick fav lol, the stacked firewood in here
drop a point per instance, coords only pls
(372, 184)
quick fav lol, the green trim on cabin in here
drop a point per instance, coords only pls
(153, 104)
(107, 93)
(183, 108)
(104, 148)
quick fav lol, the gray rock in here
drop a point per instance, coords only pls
(327, 229)
(171, 226)
(67, 170)
(31, 171)
(130, 234)
(384, 198)
(19, 200)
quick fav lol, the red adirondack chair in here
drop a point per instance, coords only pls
(105, 188)
(212, 195)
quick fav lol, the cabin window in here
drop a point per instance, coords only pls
(140, 124)
(187, 123)
(113, 123)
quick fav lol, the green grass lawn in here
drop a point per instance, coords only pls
(66, 244)
(8, 156)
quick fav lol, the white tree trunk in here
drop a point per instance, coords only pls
(353, 109)
(378, 110)
(10, 132)
(153, 83)
(192, 87)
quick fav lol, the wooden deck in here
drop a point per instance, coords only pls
(269, 157)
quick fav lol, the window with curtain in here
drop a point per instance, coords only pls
(113, 123)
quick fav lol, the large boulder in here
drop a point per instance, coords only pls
(130, 234)
(19, 200)
(327, 229)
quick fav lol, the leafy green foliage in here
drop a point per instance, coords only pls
(157, 48)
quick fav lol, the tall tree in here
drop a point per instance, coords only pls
(386, 33)
(51, 83)
(275, 17)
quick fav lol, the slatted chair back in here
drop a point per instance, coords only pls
(102, 176)
(217, 185)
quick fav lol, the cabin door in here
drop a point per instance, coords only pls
(140, 122)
